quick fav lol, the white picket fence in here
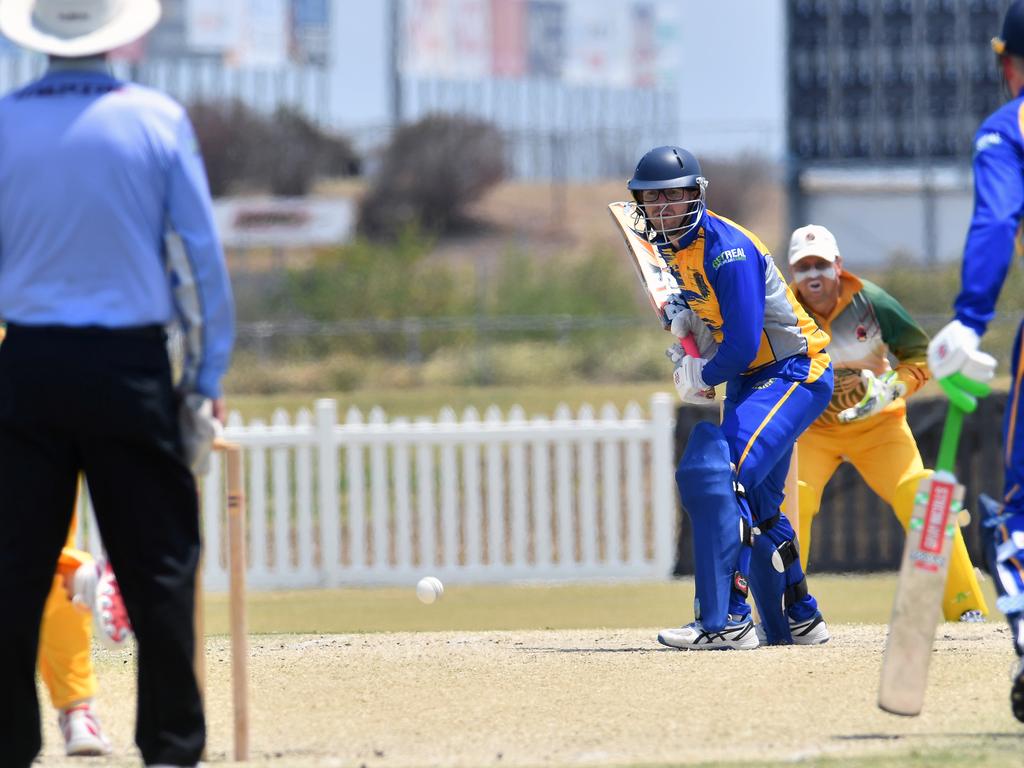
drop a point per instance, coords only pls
(373, 501)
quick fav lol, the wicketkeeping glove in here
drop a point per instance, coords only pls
(879, 391)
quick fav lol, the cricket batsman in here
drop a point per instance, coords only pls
(866, 422)
(754, 337)
(992, 239)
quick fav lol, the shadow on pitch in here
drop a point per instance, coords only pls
(645, 649)
(922, 736)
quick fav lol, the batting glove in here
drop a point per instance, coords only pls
(687, 323)
(879, 391)
(955, 350)
(689, 383)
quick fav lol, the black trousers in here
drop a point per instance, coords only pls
(100, 402)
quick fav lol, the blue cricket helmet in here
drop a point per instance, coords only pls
(665, 168)
(1011, 41)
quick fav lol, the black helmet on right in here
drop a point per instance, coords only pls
(669, 190)
(1011, 41)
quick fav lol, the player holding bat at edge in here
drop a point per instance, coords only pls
(954, 356)
(754, 337)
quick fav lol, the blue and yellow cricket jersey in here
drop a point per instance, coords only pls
(998, 208)
(729, 279)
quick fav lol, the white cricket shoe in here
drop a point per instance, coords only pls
(81, 729)
(972, 616)
(96, 590)
(738, 635)
(812, 631)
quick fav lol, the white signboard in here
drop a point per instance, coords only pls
(295, 222)
(599, 43)
(213, 25)
(265, 41)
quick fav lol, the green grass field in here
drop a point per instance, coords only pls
(613, 605)
(411, 402)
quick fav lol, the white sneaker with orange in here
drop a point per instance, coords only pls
(81, 729)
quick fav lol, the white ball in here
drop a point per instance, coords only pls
(429, 589)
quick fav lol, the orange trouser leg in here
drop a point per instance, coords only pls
(884, 451)
(65, 638)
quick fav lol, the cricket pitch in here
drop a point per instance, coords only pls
(588, 697)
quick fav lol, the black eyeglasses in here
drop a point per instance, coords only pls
(671, 195)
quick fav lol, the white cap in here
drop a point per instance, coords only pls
(812, 240)
(76, 28)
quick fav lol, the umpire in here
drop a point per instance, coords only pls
(94, 174)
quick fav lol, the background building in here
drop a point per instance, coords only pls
(883, 101)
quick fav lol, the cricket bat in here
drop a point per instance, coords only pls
(656, 279)
(918, 605)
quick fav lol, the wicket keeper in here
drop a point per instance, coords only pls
(755, 337)
(84, 595)
(866, 422)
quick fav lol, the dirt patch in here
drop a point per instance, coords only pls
(575, 697)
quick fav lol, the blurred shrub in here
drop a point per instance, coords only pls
(629, 355)
(598, 284)
(367, 282)
(231, 137)
(428, 174)
(283, 154)
(373, 281)
(300, 153)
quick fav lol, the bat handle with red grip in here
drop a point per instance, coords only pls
(689, 345)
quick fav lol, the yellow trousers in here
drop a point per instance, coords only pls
(65, 638)
(884, 452)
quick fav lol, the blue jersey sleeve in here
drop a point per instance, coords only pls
(998, 201)
(740, 286)
(190, 216)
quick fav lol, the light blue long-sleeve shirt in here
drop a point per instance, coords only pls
(94, 172)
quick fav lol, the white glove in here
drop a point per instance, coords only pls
(198, 430)
(687, 322)
(879, 391)
(955, 350)
(689, 383)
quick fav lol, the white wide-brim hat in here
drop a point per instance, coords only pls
(76, 28)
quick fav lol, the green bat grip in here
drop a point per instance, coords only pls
(963, 394)
(950, 438)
